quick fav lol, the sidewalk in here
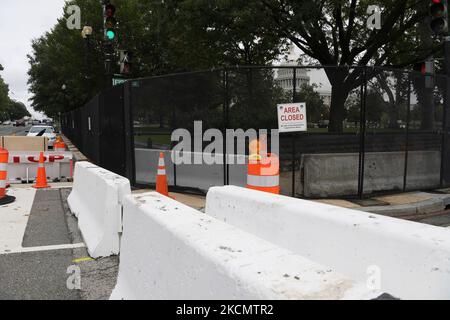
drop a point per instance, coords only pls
(40, 247)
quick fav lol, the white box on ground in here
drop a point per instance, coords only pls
(171, 251)
(96, 200)
(292, 117)
(412, 258)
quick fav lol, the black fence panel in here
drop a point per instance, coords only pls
(370, 130)
(98, 130)
(111, 135)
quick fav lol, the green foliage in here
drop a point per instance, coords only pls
(165, 37)
(315, 108)
(334, 33)
(10, 109)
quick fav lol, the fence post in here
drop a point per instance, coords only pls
(226, 174)
(129, 133)
(294, 151)
(362, 139)
(408, 116)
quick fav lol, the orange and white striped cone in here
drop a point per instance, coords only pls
(264, 174)
(161, 177)
(41, 177)
(59, 145)
(4, 198)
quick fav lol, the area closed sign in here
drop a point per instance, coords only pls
(292, 117)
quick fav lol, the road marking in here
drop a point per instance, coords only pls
(83, 260)
(44, 248)
(14, 218)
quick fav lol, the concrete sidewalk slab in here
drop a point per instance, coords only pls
(405, 198)
(14, 218)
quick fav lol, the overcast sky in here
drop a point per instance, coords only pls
(20, 22)
(24, 20)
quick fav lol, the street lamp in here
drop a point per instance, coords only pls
(64, 88)
(86, 32)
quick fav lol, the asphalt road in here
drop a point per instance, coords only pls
(10, 130)
(42, 273)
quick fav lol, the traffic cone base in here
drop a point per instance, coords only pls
(7, 200)
(41, 177)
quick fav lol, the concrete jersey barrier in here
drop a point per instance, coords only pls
(411, 260)
(96, 200)
(171, 251)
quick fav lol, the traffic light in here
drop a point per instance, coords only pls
(110, 22)
(439, 17)
(125, 61)
(419, 67)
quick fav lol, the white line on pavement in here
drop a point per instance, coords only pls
(14, 218)
(44, 248)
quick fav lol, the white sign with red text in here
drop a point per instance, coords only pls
(292, 117)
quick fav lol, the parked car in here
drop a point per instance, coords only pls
(20, 123)
(43, 131)
(7, 122)
(35, 122)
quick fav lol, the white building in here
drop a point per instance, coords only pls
(284, 77)
(326, 97)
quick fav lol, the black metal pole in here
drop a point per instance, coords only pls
(294, 97)
(226, 171)
(88, 68)
(445, 148)
(362, 141)
(408, 116)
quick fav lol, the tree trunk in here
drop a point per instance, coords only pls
(339, 93)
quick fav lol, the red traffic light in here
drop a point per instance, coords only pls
(110, 10)
(438, 8)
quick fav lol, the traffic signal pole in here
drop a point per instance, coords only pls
(110, 38)
(445, 160)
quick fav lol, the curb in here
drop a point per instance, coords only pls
(437, 203)
(77, 154)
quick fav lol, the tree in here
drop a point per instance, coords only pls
(10, 109)
(334, 33)
(316, 110)
(165, 36)
(17, 110)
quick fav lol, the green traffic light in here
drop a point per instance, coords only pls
(110, 34)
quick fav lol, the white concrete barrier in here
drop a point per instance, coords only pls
(411, 259)
(336, 174)
(171, 251)
(96, 200)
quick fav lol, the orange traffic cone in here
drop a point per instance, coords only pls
(161, 178)
(41, 178)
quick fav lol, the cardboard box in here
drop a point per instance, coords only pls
(16, 143)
